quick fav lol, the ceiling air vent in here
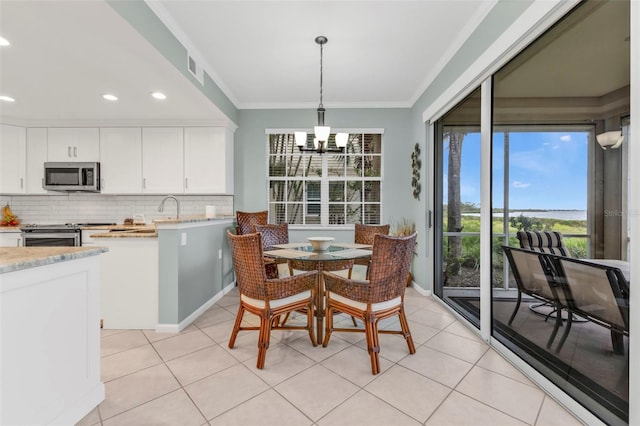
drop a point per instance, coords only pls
(195, 69)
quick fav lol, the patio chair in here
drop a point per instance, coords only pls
(267, 298)
(549, 242)
(597, 293)
(363, 234)
(534, 277)
(382, 296)
(543, 242)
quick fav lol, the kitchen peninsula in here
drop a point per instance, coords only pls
(165, 275)
(50, 333)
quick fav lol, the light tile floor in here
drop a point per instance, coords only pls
(193, 378)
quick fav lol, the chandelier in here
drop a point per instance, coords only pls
(321, 132)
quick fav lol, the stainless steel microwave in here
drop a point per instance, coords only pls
(72, 176)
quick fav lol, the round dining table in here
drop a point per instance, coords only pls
(302, 257)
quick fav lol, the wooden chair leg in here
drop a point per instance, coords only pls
(328, 325)
(310, 325)
(263, 340)
(404, 324)
(372, 346)
(236, 326)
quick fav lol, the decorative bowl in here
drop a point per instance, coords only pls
(320, 243)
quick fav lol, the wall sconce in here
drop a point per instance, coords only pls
(610, 140)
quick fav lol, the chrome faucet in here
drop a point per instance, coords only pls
(161, 206)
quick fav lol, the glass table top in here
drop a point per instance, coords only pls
(304, 251)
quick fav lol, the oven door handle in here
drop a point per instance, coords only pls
(49, 234)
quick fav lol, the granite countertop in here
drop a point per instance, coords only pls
(10, 228)
(192, 219)
(19, 258)
(125, 231)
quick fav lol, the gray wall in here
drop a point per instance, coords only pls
(191, 275)
(251, 151)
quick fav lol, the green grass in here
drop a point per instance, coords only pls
(471, 244)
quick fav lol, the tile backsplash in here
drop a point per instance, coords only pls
(99, 208)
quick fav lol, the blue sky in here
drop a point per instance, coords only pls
(547, 170)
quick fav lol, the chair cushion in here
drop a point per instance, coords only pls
(549, 242)
(276, 303)
(363, 306)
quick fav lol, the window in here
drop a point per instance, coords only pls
(307, 188)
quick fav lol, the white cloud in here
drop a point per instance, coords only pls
(556, 147)
(518, 184)
(565, 138)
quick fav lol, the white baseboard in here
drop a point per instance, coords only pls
(176, 328)
(420, 290)
(80, 409)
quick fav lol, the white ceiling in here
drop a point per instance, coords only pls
(262, 54)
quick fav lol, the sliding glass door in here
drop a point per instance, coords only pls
(550, 175)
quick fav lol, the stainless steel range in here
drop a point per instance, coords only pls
(65, 235)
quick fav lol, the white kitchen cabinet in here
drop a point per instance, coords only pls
(36, 157)
(13, 164)
(10, 238)
(73, 144)
(162, 160)
(121, 160)
(208, 160)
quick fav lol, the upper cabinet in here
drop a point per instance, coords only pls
(13, 164)
(162, 160)
(36, 157)
(73, 144)
(208, 160)
(121, 160)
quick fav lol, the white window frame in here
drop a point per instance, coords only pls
(325, 179)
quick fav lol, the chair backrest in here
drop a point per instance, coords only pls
(248, 264)
(273, 234)
(531, 272)
(543, 241)
(598, 291)
(390, 264)
(247, 221)
(364, 233)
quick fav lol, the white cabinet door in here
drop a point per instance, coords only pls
(10, 239)
(206, 161)
(36, 157)
(13, 163)
(121, 160)
(73, 144)
(162, 160)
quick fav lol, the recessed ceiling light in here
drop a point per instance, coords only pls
(159, 95)
(7, 98)
(4, 42)
(109, 97)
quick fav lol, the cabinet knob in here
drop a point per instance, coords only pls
(75, 152)
(69, 151)
(21, 183)
(144, 183)
(186, 183)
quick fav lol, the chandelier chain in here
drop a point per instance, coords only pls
(321, 45)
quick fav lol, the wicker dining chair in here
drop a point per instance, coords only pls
(267, 298)
(272, 235)
(382, 296)
(247, 220)
(364, 234)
